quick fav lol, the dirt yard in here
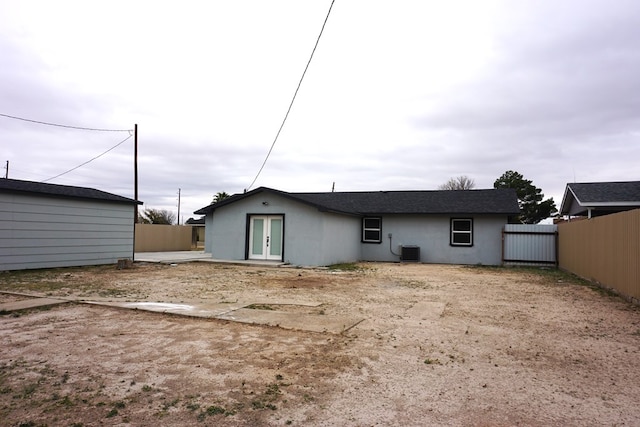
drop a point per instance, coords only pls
(437, 345)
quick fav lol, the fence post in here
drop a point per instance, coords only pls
(502, 248)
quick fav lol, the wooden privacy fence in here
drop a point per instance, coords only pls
(605, 250)
(163, 238)
(530, 244)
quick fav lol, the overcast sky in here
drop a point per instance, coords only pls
(400, 95)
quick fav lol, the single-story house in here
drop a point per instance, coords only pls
(197, 231)
(48, 225)
(592, 199)
(453, 226)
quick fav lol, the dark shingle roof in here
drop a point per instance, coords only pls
(600, 197)
(500, 201)
(199, 221)
(19, 186)
(606, 192)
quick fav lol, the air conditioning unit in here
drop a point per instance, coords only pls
(410, 253)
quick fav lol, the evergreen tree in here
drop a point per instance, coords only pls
(532, 208)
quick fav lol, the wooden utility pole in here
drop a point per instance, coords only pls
(178, 206)
(135, 169)
(135, 188)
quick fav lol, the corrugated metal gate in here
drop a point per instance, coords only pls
(530, 244)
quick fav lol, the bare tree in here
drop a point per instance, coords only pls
(461, 182)
(157, 216)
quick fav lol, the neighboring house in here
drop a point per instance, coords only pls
(600, 198)
(48, 225)
(457, 227)
(197, 233)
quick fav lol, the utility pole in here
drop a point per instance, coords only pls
(178, 206)
(135, 170)
(6, 174)
(135, 188)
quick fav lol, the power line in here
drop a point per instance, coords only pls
(64, 126)
(89, 161)
(294, 97)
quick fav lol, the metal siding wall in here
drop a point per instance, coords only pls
(527, 247)
(43, 232)
(605, 250)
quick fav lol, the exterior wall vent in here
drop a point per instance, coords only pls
(410, 253)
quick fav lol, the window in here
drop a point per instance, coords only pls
(372, 230)
(461, 232)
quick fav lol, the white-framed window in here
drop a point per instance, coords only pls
(461, 232)
(371, 230)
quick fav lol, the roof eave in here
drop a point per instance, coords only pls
(442, 213)
(610, 204)
(565, 206)
(233, 199)
(123, 200)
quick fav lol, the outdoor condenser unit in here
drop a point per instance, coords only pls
(410, 253)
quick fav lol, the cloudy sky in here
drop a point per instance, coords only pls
(399, 95)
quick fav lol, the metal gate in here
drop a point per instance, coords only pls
(530, 244)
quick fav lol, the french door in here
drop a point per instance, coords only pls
(265, 237)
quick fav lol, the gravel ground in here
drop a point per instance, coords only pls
(439, 345)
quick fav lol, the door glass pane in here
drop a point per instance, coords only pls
(275, 242)
(258, 234)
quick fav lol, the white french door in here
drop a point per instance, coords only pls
(265, 237)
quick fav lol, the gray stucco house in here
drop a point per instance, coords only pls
(312, 229)
(48, 225)
(600, 198)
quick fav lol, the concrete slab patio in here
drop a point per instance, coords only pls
(171, 257)
(235, 312)
(29, 303)
(286, 320)
(178, 257)
(241, 312)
